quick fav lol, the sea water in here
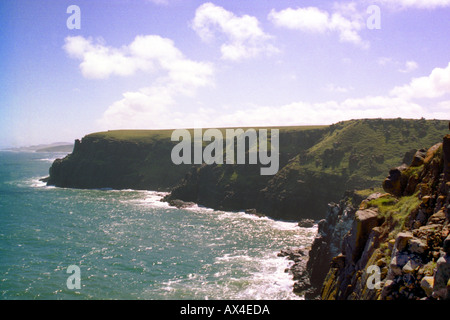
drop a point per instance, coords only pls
(129, 245)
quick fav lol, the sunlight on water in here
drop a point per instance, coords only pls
(130, 245)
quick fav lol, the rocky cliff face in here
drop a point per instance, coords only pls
(320, 166)
(317, 165)
(99, 162)
(398, 246)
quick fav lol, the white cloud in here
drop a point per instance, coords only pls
(436, 85)
(345, 21)
(382, 61)
(244, 36)
(331, 87)
(409, 67)
(417, 4)
(145, 53)
(399, 103)
(176, 75)
(306, 19)
(133, 110)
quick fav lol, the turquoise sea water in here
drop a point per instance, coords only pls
(130, 245)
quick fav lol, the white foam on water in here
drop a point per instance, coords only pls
(266, 277)
(153, 199)
(271, 281)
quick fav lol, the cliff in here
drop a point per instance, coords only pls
(398, 244)
(320, 166)
(317, 165)
(122, 159)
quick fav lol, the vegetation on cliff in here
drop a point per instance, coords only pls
(317, 165)
(121, 159)
(403, 233)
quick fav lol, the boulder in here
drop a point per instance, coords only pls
(419, 158)
(306, 223)
(427, 285)
(417, 246)
(397, 264)
(446, 245)
(395, 183)
(180, 204)
(411, 266)
(441, 278)
(355, 241)
(402, 240)
(437, 218)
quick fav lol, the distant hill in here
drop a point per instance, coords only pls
(59, 148)
(52, 147)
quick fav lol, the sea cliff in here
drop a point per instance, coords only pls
(398, 244)
(135, 159)
(401, 229)
(317, 165)
(320, 167)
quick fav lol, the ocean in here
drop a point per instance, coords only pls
(129, 245)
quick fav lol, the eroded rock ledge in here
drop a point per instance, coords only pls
(404, 234)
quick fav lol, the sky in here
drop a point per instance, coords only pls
(166, 64)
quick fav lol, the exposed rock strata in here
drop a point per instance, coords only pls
(405, 238)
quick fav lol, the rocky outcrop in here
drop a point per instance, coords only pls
(100, 162)
(298, 271)
(327, 244)
(320, 167)
(398, 246)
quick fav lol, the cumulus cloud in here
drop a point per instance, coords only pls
(176, 75)
(146, 53)
(436, 85)
(345, 21)
(399, 102)
(244, 36)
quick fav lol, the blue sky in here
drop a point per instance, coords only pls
(154, 64)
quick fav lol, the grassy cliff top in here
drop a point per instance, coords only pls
(151, 135)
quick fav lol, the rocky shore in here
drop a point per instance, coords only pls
(392, 246)
(402, 231)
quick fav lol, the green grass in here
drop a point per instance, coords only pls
(397, 211)
(364, 150)
(133, 135)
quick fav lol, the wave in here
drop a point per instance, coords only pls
(237, 276)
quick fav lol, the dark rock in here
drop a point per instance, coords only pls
(395, 183)
(446, 245)
(328, 242)
(306, 223)
(419, 158)
(180, 204)
(446, 152)
(441, 278)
